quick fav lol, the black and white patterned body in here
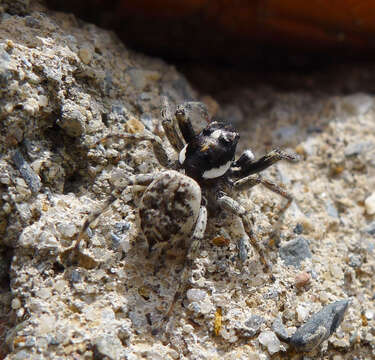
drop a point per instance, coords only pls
(210, 154)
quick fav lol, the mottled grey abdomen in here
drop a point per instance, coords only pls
(169, 207)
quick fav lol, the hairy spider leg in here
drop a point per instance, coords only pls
(231, 205)
(183, 116)
(246, 165)
(190, 255)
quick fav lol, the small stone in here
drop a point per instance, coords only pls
(31, 178)
(355, 261)
(370, 228)
(370, 204)
(270, 341)
(280, 330)
(252, 326)
(302, 312)
(242, 249)
(302, 279)
(73, 119)
(220, 241)
(66, 230)
(16, 303)
(107, 346)
(85, 55)
(298, 229)
(319, 327)
(196, 295)
(134, 126)
(370, 314)
(295, 251)
(354, 149)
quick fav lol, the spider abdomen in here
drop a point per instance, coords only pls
(169, 207)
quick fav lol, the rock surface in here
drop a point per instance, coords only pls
(64, 85)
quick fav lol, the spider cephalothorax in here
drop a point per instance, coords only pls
(173, 205)
(209, 154)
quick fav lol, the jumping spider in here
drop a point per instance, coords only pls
(173, 206)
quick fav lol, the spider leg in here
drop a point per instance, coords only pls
(231, 205)
(170, 127)
(71, 255)
(252, 180)
(157, 145)
(183, 116)
(191, 254)
(246, 165)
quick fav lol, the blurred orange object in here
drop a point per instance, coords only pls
(320, 22)
(226, 28)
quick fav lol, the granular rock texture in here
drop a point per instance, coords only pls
(64, 85)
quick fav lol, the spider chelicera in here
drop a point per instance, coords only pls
(174, 205)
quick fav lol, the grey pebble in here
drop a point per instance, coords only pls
(370, 228)
(298, 229)
(252, 326)
(354, 149)
(280, 330)
(242, 249)
(29, 175)
(295, 251)
(320, 326)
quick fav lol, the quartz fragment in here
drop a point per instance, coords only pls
(270, 341)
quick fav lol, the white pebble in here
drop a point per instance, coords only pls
(369, 314)
(270, 341)
(196, 295)
(16, 303)
(370, 204)
(302, 312)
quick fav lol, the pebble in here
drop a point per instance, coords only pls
(319, 327)
(298, 229)
(252, 326)
(370, 204)
(270, 341)
(295, 251)
(31, 178)
(370, 314)
(302, 312)
(85, 55)
(16, 303)
(279, 329)
(108, 346)
(354, 149)
(370, 228)
(242, 249)
(196, 295)
(302, 279)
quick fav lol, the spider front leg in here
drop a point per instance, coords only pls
(252, 180)
(157, 145)
(183, 115)
(231, 205)
(190, 255)
(73, 254)
(170, 126)
(247, 165)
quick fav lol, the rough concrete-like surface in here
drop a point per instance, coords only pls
(64, 85)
